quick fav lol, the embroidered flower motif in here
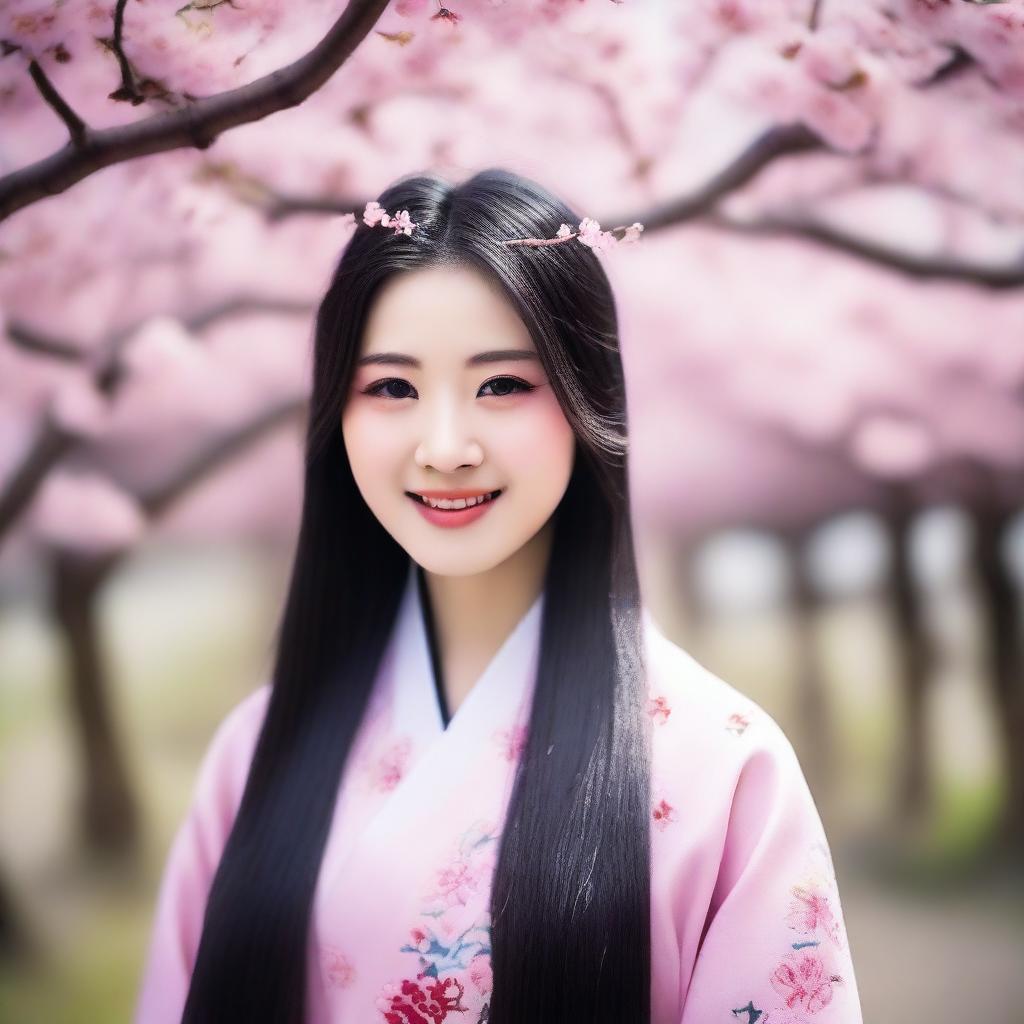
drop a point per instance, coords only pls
(419, 940)
(814, 908)
(421, 1001)
(457, 883)
(440, 953)
(481, 975)
(811, 909)
(663, 814)
(802, 979)
(446, 945)
(467, 872)
(658, 708)
(338, 967)
(737, 723)
(511, 741)
(388, 770)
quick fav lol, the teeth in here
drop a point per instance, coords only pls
(448, 503)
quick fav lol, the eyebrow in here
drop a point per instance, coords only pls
(498, 356)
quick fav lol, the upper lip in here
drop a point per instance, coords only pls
(454, 494)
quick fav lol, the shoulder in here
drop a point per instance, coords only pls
(225, 764)
(695, 710)
(714, 751)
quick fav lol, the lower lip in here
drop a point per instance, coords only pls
(455, 516)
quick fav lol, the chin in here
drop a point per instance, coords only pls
(457, 563)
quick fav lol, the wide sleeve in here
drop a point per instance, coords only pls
(192, 862)
(774, 948)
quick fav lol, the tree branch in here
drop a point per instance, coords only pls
(220, 451)
(76, 126)
(199, 123)
(776, 142)
(31, 340)
(127, 91)
(53, 442)
(703, 203)
(920, 267)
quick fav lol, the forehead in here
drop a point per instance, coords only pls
(442, 309)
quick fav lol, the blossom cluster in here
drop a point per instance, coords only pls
(375, 214)
(590, 234)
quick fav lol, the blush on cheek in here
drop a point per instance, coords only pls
(543, 423)
(542, 438)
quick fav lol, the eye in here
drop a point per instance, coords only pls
(518, 386)
(378, 387)
(500, 387)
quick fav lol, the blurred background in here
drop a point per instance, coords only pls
(823, 333)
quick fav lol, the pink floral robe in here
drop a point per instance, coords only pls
(746, 923)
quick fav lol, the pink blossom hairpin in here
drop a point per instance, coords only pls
(375, 214)
(589, 232)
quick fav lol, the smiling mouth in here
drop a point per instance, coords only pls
(456, 504)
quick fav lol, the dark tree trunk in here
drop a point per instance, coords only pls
(1002, 614)
(816, 738)
(15, 940)
(108, 809)
(914, 795)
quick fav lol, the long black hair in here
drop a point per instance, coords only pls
(570, 902)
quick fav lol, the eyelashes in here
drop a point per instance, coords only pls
(520, 387)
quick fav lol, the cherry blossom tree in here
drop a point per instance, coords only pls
(178, 181)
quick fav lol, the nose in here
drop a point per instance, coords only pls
(447, 444)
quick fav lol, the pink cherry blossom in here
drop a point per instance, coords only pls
(373, 213)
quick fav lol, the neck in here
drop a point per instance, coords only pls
(474, 615)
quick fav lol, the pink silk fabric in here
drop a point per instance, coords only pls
(746, 922)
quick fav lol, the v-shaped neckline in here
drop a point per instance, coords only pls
(430, 632)
(417, 657)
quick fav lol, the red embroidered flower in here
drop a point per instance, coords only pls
(658, 709)
(803, 980)
(446, 15)
(422, 1001)
(511, 741)
(663, 813)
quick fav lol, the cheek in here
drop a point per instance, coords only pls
(371, 447)
(539, 447)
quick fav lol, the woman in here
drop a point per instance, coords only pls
(483, 785)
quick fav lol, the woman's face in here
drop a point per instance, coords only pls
(449, 397)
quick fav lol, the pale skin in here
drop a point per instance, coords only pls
(476, 412)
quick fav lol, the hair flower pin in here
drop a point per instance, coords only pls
(589, 232)
(375, 214)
